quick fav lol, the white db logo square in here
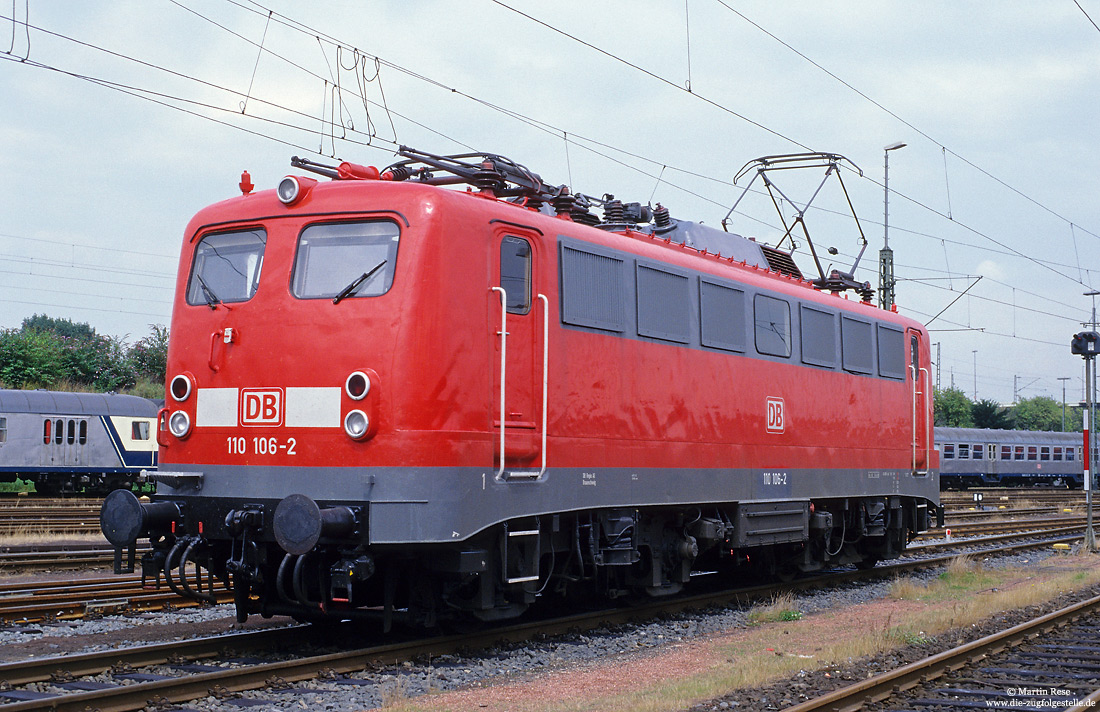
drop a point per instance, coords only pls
(776, 418)
(261, 406)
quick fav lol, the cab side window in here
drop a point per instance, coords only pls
(515, 273)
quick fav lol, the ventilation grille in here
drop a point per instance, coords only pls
(781, 261)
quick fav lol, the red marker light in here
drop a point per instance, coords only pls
(246, 183)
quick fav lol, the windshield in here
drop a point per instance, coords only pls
(226, 267)
(345, 260)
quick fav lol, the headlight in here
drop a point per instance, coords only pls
(179, 423)
(293, 188)
(180, 388)
(357, 386)
(356, 424)
(288, 189)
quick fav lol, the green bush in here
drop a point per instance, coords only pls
(61, 354)
(29, 359)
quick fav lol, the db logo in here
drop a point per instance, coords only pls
(776, 419)
(262, 407)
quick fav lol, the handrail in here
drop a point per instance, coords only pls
(927, 420)
(213, 340)
(503, 365)
(545, 371)
(913, 440)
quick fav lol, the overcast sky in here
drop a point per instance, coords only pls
(119, 120)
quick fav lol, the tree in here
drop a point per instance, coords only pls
(988, 413)
(1038, 413)
(62, 327)
(149, 357)
(953, 408)
(50, 353)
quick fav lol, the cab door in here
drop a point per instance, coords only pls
(518, 317)
(920, 382)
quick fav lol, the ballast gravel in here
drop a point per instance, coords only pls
(380, 687)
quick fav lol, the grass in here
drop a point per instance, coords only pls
(16, 487)
(779, 643)
(782, 607)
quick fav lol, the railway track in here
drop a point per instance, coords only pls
(60, 556)
(1050, 662)
(71, 600)
(127, 679)
(57, 517)
(67, 600)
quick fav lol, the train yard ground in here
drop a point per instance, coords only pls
(769, 651)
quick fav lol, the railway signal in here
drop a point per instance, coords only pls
(1085, 344)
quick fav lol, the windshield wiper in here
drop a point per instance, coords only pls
(212, 300)
(356, 283)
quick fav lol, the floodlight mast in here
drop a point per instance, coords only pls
(886, 279)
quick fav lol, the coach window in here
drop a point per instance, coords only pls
(515, 273)
(345, 260)
(1044, 452)
(949, 452)
(3, 430)
(1018, 453)
(83, 432)
(964, 451)
(773, 326)
(226, 268)
(1032, 452)
(72, 432)
(46, 428)
(1057, 453)
(977, 452)
(139, 430)
(1071, 454)
(58, 432)
(1006, 452)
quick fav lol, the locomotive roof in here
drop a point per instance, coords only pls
(63, 403)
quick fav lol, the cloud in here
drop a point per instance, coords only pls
(992, 270)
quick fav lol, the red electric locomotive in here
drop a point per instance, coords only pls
(389, 394)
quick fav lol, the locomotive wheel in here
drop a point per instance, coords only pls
(786, 573)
